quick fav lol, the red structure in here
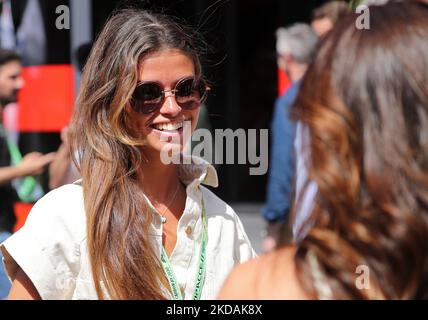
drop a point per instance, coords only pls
(46, 101)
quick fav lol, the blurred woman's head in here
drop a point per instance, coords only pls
(327, 15)
(143, 77)
(365, 102)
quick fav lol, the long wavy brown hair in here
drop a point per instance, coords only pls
(365, 102)
(121, 251)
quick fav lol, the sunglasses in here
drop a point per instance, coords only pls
(189, 94)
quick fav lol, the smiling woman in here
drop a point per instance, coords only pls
(133, 227)
(164, 100)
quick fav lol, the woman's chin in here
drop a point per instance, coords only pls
(167, 152)
(168, 145)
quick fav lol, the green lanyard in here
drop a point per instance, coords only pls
(28, 188)
(200, 276)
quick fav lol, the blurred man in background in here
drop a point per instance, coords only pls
(296, 46)
(63, 170)
(10, 83)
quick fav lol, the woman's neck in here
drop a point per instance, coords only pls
(158, 180)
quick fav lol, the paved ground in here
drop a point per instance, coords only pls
(252, 220)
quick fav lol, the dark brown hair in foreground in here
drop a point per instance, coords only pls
(365, 102)
(333, 10)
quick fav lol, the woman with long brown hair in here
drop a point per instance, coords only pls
(136, 226)
(364, 102)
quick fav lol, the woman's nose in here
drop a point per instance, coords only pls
(170, 106)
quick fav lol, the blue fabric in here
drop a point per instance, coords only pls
(4, 280)
(282, 164)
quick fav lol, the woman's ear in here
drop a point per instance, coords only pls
(128, 109)
(131, 125)
(128, 115)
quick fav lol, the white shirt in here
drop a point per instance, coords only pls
(306, 190)
(51, 248)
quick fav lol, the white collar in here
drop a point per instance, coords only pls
(196, 171)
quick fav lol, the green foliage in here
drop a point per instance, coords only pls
(353, 4)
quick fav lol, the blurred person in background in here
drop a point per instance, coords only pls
(32, 164)
(62, 170)
(326, 16)
(365, 104)
(296, 46)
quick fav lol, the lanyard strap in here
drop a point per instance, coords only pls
(200, 276)
(27, 188)
(15, 155)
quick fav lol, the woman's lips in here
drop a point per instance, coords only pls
(172, 126)
(171, 132)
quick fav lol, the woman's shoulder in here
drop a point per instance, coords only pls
(267, 277)
(68, 197)
(60, 210)
(67, 189)
(48, 247)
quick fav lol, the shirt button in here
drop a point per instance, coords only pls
(189, 231)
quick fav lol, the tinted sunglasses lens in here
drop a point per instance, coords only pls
(147, 98)
(190, 94)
